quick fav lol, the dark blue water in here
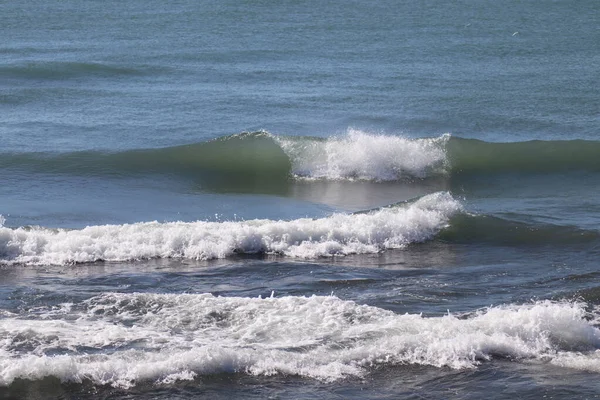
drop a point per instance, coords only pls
(299, 199)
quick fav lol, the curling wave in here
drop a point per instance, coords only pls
(361, 156)
(263, 158)
(476, 156)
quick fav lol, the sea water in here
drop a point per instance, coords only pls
(299, 199)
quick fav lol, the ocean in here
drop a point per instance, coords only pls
(299, 199)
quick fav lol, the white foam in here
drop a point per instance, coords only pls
(589, 361)
(122, 339)
(364, 156)
(339, 234)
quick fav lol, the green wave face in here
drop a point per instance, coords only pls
(484, 229)
(252, 155)
(242, 162)
(260, 161)
(474, 156)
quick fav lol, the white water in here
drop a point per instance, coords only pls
(121, 339)
(364, 156)
(339, 234)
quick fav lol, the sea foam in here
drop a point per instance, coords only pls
(122, 339)
(365, 156)
(339, 234)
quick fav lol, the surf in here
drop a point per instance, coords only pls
(305, 238)
(128, 339)
(438, 217)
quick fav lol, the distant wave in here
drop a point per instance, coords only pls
(128, 339)
(263, 158)
(339, 234)
(58, 70)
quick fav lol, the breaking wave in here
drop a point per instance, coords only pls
(362, 156)
(122, 339)
(438, 216)
(339, 234)
(267, 158)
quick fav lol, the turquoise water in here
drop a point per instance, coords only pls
(299, 199)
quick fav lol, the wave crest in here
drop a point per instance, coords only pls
(363, 156)
(339, 234)
(263, 162)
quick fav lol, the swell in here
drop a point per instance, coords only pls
(260, 157)
(60, 70)
(476, 156)
(235, 160)
(467, 228)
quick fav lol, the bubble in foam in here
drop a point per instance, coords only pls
(365, 156)
(339, 234)
(124, 339)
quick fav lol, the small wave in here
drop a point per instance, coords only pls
(127, 339)
(358, 155)
(339, 234)
(58, 70)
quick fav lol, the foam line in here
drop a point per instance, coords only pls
(124, 339)
(339, 234)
